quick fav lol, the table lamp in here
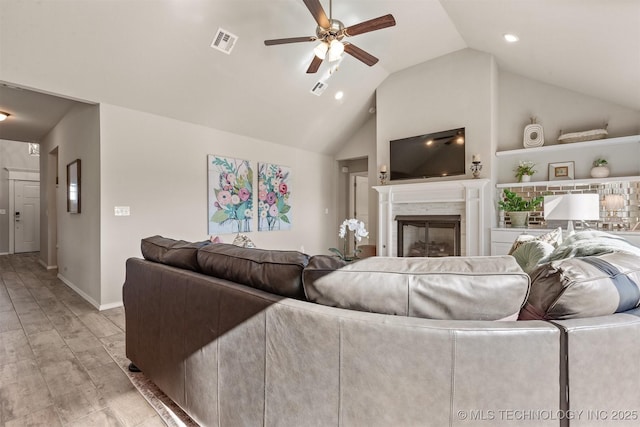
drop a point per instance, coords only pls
(572, 207)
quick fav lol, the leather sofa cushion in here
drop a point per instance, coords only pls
(177, 253)
(278, 272)
(584, 287)
(456, 288)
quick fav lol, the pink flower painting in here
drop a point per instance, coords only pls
(274, 197)
(230, 195)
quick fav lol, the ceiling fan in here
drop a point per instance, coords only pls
(331, 32)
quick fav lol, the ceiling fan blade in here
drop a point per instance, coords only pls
(317, 11)
(290, 40)
(360, 54)
(315, 64)
(370, 25)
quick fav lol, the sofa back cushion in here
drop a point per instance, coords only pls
(177, 253)
(457, 288)
(584, 287)
(278, 272)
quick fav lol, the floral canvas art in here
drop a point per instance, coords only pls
(230, 195)
(274, 197)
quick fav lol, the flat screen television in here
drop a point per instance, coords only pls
(426, 156)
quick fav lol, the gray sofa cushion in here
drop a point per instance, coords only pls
(177, 253)
(278, 272)
(457, 288)
(584, 287)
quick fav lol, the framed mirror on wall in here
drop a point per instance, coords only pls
(73, 187)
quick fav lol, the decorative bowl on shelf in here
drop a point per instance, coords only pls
(589, 135)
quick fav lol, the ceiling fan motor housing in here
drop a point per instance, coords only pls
(334, 32)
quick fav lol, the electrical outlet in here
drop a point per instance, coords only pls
(3, 211)
(122, 210)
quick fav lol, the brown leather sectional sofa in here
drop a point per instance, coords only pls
(228, 334)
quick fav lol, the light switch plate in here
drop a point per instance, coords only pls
(3, 211)
(122, 210)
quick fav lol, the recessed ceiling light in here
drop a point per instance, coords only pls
(511, 38)
(339, 95)
(3, 116)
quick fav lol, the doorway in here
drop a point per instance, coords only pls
(359, 200)
(353, 196)
(24, 209)
(51, 245)
(26, 220)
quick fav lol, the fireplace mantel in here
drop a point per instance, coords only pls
(470, 193)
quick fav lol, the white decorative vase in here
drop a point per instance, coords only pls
(599, 172)
(525, 178)
(519, 219)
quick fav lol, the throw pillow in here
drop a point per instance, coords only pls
(553, 237)
(529, 253)
(591, 243)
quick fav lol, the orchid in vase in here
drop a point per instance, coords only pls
(359, 231)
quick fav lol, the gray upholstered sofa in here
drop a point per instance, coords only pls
(229, 334)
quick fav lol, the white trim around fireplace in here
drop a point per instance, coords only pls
(471, 192)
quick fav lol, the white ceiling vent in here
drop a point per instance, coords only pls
(224, 41)
(319, 87)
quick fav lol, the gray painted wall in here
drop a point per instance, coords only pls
(13, 154)
(76, 136)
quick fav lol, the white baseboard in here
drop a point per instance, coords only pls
(47, 267)
(4, 253)
(79, 291)
(110, 306)
(90, 300)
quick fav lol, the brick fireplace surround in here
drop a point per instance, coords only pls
(466, 198)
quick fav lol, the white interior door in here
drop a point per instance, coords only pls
(26, 216)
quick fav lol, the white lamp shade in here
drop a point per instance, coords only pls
(581, 207)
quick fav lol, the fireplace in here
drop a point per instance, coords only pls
(428, 235)
(465, 197)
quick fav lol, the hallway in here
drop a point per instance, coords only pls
(54, 369)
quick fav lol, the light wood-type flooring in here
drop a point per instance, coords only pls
(54, 369)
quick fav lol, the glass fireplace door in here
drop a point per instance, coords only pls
(428, 236)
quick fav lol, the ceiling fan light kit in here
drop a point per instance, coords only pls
(321, 50)
(336, 49)
(331, 32)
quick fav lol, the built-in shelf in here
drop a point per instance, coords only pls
(633, 139)
(571, 182)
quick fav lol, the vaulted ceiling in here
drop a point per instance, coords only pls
(155, 56)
